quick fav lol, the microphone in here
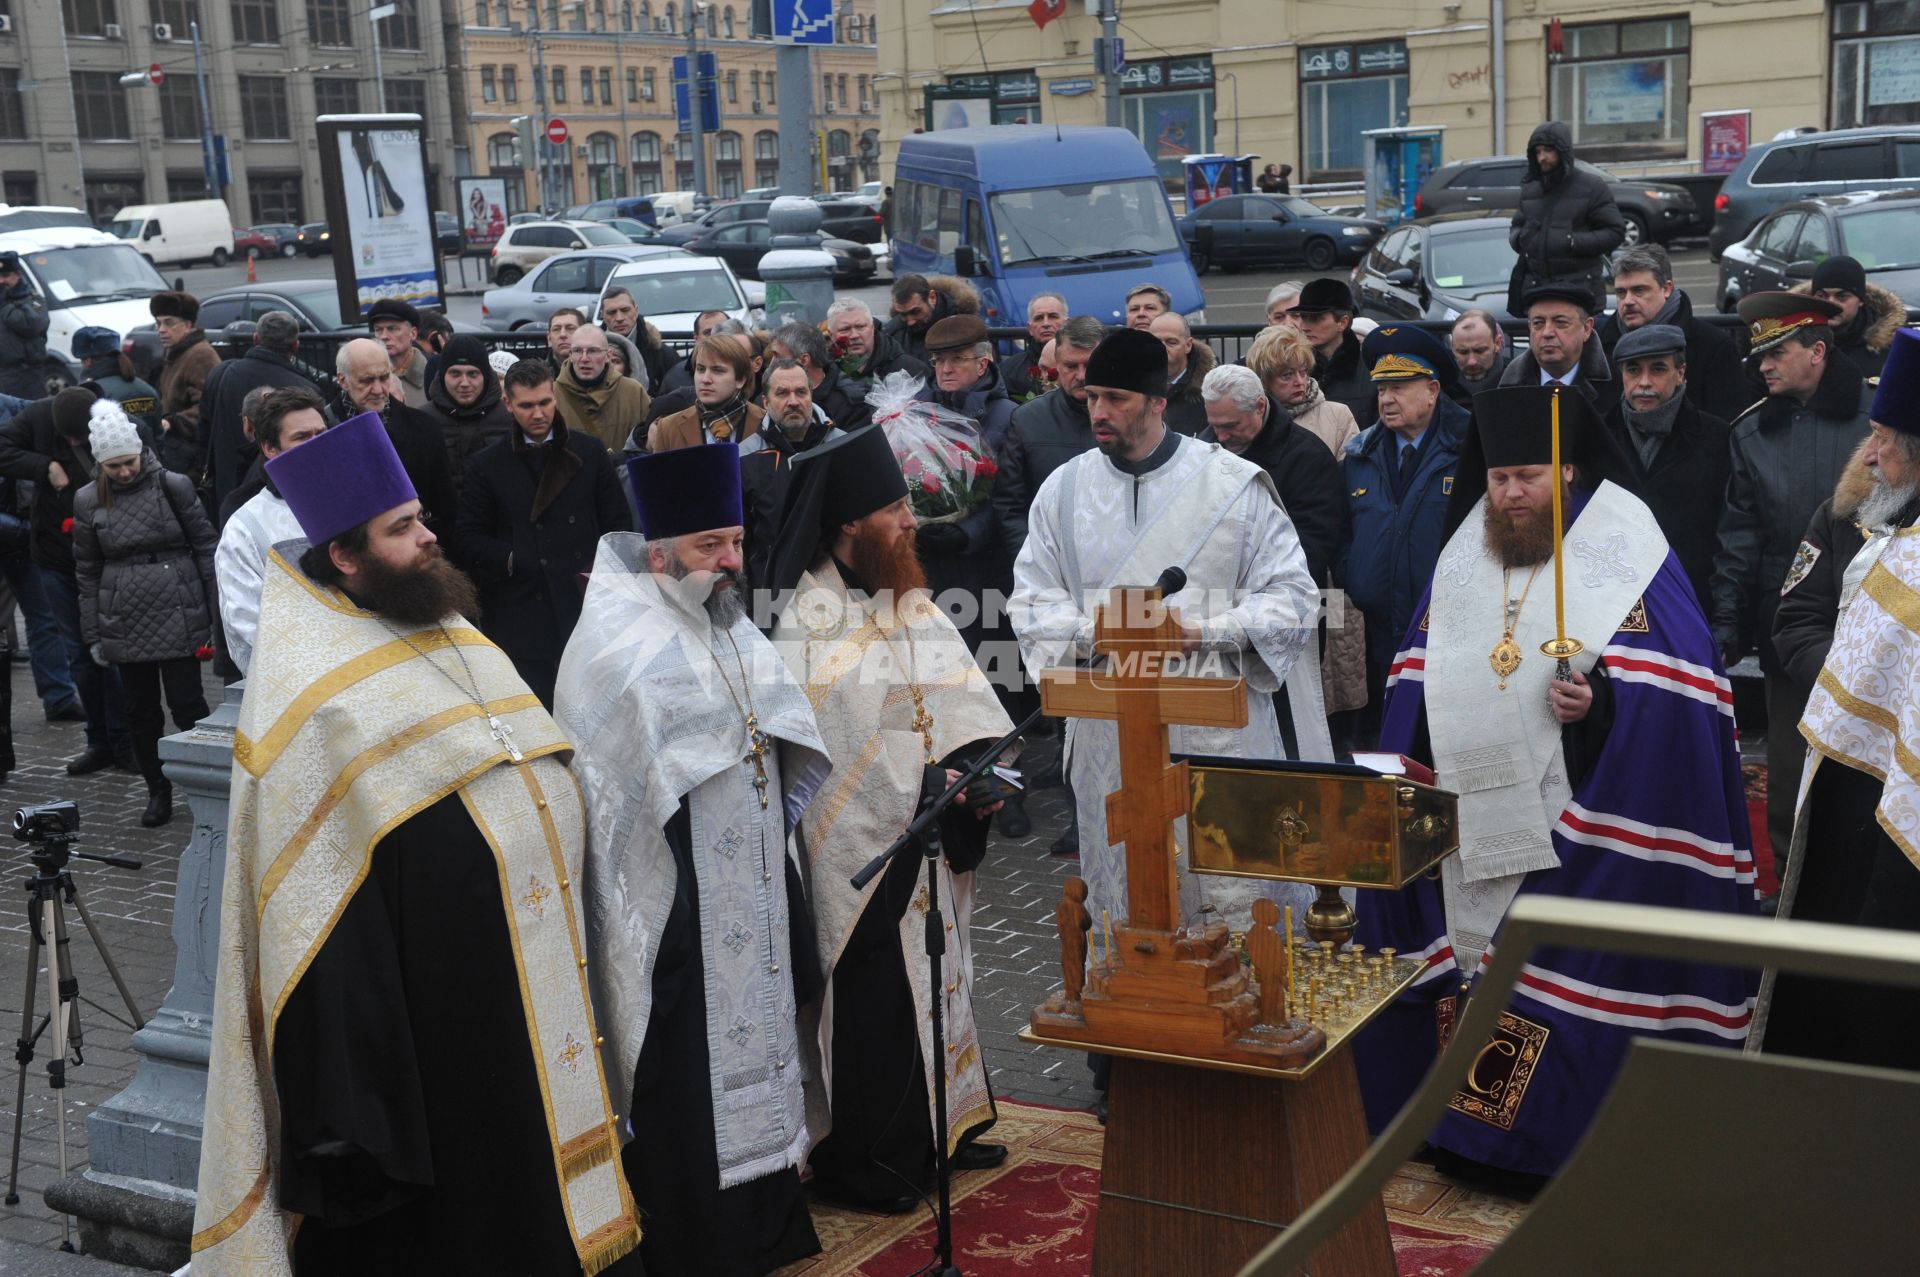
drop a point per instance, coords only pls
(1172, 581)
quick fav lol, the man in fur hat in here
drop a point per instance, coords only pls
(190, 360)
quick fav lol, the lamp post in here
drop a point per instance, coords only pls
(696, 99)
(1230, 76)
(375, 14)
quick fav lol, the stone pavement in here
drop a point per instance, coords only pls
(1016, 961)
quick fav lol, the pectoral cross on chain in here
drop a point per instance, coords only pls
(923, 723)
(758, 743)
(504, 734)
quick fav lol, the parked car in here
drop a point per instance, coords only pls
(1653, 210)
(743, 244)
(520, 248)
(33, 217)
(875, 191)
(571, 279)
(1436, 268)
(761, 193)
(839, 217)
(252, 243)
(673, 289)
(638, 232)
(1259, 230)
(285, 236)
(1878, 229)
(312, 239)
(1805, 166)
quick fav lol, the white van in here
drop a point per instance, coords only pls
(86, 277)
(673, 207)
(190, 231)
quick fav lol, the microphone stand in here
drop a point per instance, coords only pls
(923, 834)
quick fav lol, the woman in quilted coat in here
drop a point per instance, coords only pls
(143, 553)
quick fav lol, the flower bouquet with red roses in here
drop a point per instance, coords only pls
(1042, 378)
(948, 467)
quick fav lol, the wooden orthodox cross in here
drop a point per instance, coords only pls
(1143, 691)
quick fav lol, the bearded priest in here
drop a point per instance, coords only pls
(1148, 498)
(1620, 783)
(896, 693)
(403, 1075)
(697, 752)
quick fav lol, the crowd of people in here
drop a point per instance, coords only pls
(563, 733)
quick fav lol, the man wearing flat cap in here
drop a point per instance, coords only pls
(901, 704)
(427, 902)
(1562, 347)
(1324, 314)
(1398, 475)
(1843, 626)
(1786, 455)
(1679, 452)
(1562, 780)
(1146, 499)
(23, 333)
(396, 326)
(190, 359)
(696, 752)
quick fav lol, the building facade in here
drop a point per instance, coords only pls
(606, 69)
(72, 134)
(1296, 82)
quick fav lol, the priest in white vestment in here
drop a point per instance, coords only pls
(1144, 500)
(897, 695)
(696, 752)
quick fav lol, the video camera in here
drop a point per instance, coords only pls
(44, 822)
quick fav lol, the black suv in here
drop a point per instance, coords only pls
(1808, 166)
(1654, 211)
(839, 219)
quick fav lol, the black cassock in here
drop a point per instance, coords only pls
(413, 1135)
(881, 1146)
(1854, 875)
(690, 1226)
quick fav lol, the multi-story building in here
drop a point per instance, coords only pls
(72, 133)
(1296, 82)
(606, 69)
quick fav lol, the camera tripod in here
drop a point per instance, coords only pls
(52, 882)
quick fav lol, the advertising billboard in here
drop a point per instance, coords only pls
(374, 176)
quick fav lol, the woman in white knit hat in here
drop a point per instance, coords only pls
(143, 554)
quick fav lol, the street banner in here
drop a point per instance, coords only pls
(373, 173)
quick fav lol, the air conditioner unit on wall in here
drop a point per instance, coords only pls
(111, 30)
(758, 106)
(830, 108)
(866, 105)
(161, 31)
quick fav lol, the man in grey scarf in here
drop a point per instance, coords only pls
(1681, 452)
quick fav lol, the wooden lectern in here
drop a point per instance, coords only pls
(1232, 1106)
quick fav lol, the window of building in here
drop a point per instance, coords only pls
(88, 17)
(841, 98)
(646, 163)
(13, 113)
(773, 89)
(179, 108)
(646, 15)
(1876, 57)
(726, 22)
(586, 86)
(489, 85)
(255, 21)
(332, 95)
(606, 87)
(1013, 97)
(599, 15)
(726, 163)
(753, 87)
(606, 175)
(100, 105)
(1622, 87)
(733, 87)
(576, 15)
(870, 159)
(275, 197)
(633, 84)
(263, 108)
(826, 92)
(20, 188)
(667, 18)
(330, 23)
(713, 23)
(865, 97)
(408, 97)
(553, 15)
(403, 28)
(559, 84)
(840, 160)
(1345, 88)
(108, 193)
(626, 15)
(646, 84)
(503, 162)
(500, 151)
(479, 13)
(176, 14)
(510, 83)
(766, 158)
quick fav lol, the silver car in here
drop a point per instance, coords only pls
(571, 279)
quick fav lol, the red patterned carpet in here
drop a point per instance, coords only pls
(1034, 1216)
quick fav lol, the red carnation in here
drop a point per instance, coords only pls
(66, 525)
(203, 653)
(988, 467)
(929, 483)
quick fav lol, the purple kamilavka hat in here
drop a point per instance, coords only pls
(341, 478)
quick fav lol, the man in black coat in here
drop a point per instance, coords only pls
(1870, 315)
(1324, 314)
(466, 402)
(1680, 452)
(535, 506)
(1644, 293)
(864, 352)
(1248, 422)
(842, 399)
(1046, 312)
(268, 362)
(23, 333)
(46, 443)
(1562, 347)
(1045, 433)
(365, 373)
(1566, 224)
